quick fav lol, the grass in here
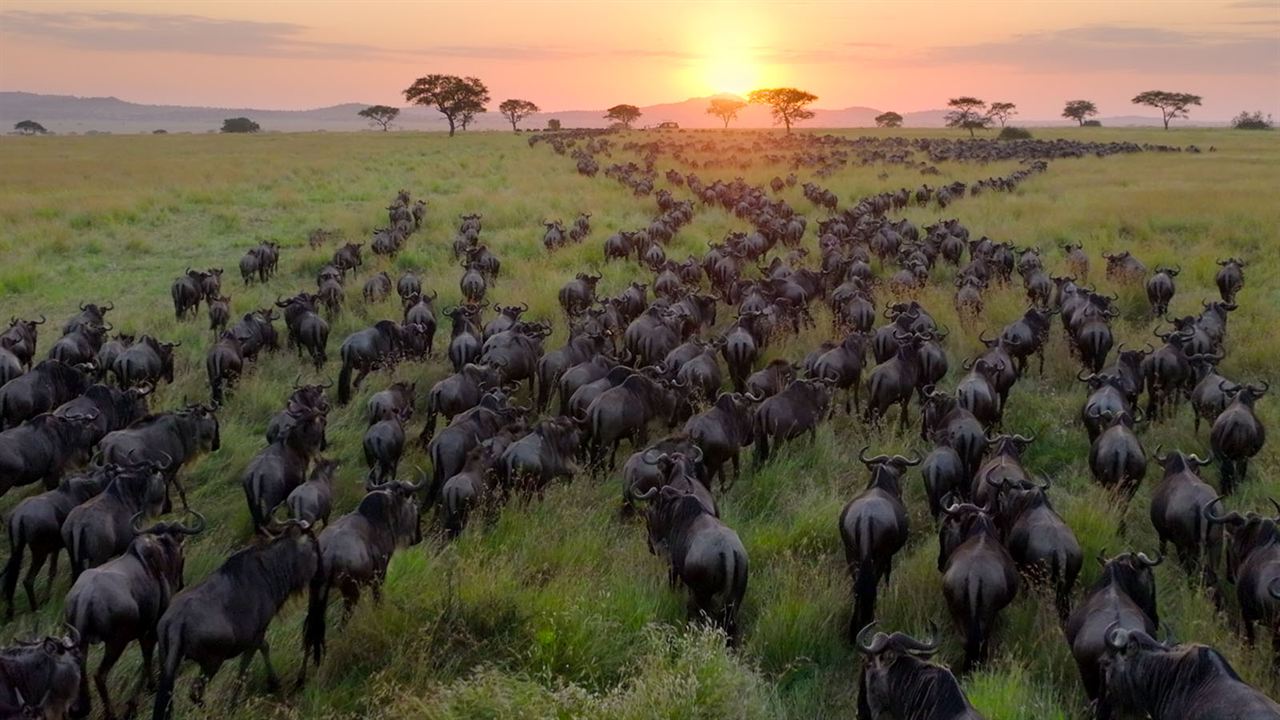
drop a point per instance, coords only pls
(554, 608)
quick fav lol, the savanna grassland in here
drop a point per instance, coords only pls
(555, 608)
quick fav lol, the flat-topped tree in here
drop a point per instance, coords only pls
(1079, 110)
(967, 113)
(29, 127)
(789, 105)
(1171, 104)
(459, 99)
(1002, 111)
(239, 125)
(889, 119)
(726, 109)
(625, 114)
(516, 110)
(380, 115)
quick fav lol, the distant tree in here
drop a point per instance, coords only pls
(726, 109)
(1171, 104)
(160, 131)
(516, 110)
(239, 125)
(789, 105)
(1079, 110)
(1092, 123)
(380, 115)
(967, 113)
(553, 123)
(1002, 111)
(1251, 121)
(889, 119)
(29, 127)
(625, 114)
(1014, 133)
(458, 99)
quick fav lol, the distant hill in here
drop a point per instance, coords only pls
(70, 114)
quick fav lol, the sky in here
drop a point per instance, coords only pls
(902, 55)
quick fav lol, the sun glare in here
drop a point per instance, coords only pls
(730, 72)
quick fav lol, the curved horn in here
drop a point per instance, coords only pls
(193, 529)
(134, 523)
(876, 645)
(1159, 456)
(1142, 557)
(1117, 638)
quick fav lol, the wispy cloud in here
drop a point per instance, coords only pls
(1123, 48)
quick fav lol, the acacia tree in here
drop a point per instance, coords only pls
(967, 113)
(239, 125)
(380, 115)
(726, 109)
(29, 127)
(516, 110)
(1002, 111)
(459, 99)
(789, 105)
(1171, 104)
(1251, 121)
(625, 114)
(889, 119)
(1079, 110)
(553, 123)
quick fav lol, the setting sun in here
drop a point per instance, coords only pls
(730, 72)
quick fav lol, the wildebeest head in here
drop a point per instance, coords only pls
(1247, 531)
(205, 421)
(394, 505)
(51, 668)
(159, 546)
(960, 521)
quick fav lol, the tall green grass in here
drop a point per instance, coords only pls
(554, 608)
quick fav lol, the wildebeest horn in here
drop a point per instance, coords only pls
(41, 321)
(1142, 557)
(697, 455)
(1159, 456)
(862, 455)
(1117, 638)
(82, 306)
(1274, 504)
(649, 456)
(1024, 438)
(1274, 588)
(646, 495)
(1085, 378)
(72, 640)
(876, 645)
(134, 525)
(192, 529)
(909, 462)
(109, 306)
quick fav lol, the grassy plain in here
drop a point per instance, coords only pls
(554, 608)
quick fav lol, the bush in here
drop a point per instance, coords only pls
(161, 131)
(1092, 123)
(1015, 133)
(239, 125)
(1251, 121)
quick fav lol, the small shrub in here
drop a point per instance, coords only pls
(1092, 123)
(1251, 121)
(1015, 133)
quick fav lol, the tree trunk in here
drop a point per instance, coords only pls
(1165, 116)
(451, 126)
(513, 126)
(726, 123)
(787, 121)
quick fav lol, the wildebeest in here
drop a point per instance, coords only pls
(719, 433)
(897, 682)
(788, 415)
(457, 393)
(307, 330)
(1178, 682)
(842, 367)
(312, 501)
(579, 293)
(224, 364)
(41, 448)
(20, 338)
(1253, 565)
(1237, 433)
(377, 288)
(465, 344)
(1124, 267)
(772, 379)
(90, 315)
(122, 600)
(348, 257)
(36, 524)
(1177, 512)
(356, 550)
(101, 528)
(579, 349)
(282, 466)
(471, 486)
(448, 450)
(187, 291)
(168, 439)
(705, 555)
(256, 332)
(979, 578)
(226, 614)
(874, 527)
(544, 454)
(365, 350)
(1209, 396)
(625, 411)
(1116, 458)
(43, 678)
(893, 381)
(1230, 279)
(1041, 544)
(146, 361)
(384, 444)
(219, 314)
(1125, 593)
(1160, 289)
(43, 388)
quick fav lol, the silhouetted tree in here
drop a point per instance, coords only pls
(160, 131)
(1171, 104)
(967, 113)
(789, 105)
(380, 115)
(889, 119)
(29, 127)
(553, 123)
(239, 125)
(458, 99)
(625, 114)
(1079, 110)
(516, 110)
(726, 109)
(1251, 121)
(1002, 111)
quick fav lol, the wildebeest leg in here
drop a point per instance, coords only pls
(110, 655)
(207, 671)
(273, 682)
(904, 418)
(360, 376)
(1250, 636)
(29, 582)
(148, 644)
(736, 472)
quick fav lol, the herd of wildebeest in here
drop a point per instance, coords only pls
(79, 423)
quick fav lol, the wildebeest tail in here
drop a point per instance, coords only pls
(974, 630)
(735, 573)
(171, 652)
(313, 629)
(17, 546)
(344, 383)
(760, 439)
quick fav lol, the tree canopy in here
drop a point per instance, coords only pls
(726, 109)
(29, 127)
(967, 113)
(380, 115)
(889, 119)
(625, 114)
(516, 110)
(1171, 104)
(459, 99)
(1002, 111)
(553, 123)
(1079, 110)
(239, 125)
(789, 105)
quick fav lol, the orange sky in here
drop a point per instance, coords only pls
(899, 55)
